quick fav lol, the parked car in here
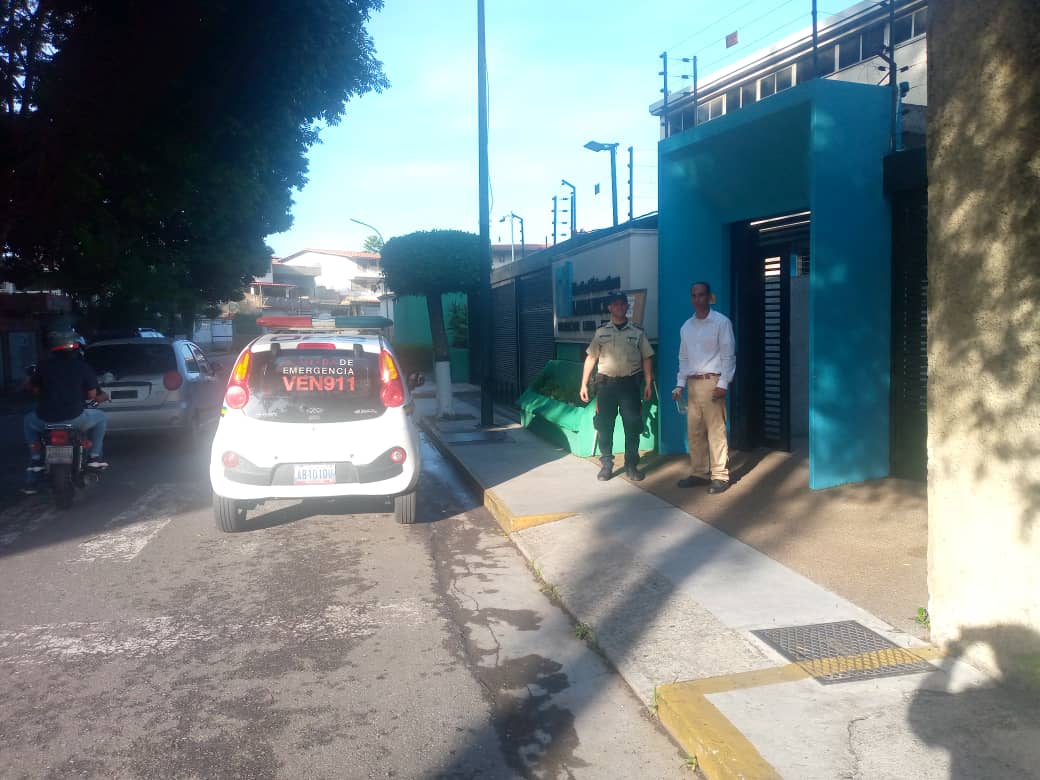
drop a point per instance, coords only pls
(314, 414)
(156, 384)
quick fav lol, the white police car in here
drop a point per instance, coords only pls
(318, 409)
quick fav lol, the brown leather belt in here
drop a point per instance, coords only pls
(703, 376)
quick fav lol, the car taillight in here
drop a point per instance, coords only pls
(230, 460)
(237, 394)
(172, 380)
(392, 391)
(397, 455)
(58, 438)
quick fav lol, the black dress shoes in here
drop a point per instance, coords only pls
(689, 482)
(718, 486)
(606, 472)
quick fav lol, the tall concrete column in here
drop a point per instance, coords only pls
(984, 332)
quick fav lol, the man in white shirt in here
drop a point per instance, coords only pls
(707, 362)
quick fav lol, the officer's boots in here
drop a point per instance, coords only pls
(606, 471)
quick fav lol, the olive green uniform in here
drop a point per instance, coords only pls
(620, 351)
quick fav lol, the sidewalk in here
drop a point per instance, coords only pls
(797, 659)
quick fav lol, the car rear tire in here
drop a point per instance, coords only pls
(230, 517)
(404, 508)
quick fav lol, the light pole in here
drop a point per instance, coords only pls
(374, 230)
(574, 205)
(511, 216)
(596, 146)
(512, 243)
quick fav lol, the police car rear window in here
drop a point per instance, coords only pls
(314, 385)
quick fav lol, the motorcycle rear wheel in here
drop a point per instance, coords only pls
(61, 484)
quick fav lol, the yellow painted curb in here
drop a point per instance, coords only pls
(722, 751)
(511, 522)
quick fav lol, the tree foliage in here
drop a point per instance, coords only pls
(373, 243)
(147, 149)
(431, 263)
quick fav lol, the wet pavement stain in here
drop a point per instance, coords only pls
(537, 737)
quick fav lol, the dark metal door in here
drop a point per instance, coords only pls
(503, 316)
(537, 339)
(761, 262)
(909, 424)
(776, 405)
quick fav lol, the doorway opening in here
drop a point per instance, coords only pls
(770, 278)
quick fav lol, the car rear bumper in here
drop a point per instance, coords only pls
(158, 418)
(402, 483)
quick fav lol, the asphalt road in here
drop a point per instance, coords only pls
(326, 641)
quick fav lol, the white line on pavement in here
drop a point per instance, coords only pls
(151, 636)
(127, 533)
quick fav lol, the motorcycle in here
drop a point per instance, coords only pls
(64, 465)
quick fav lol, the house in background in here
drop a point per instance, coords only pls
(779, 188)
(313, 281)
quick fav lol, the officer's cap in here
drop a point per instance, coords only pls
(617, 295)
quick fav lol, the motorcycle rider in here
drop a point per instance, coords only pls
(62, 383)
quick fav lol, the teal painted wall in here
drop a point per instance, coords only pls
(412, 320)
(817, 146)
(412, 330)
(850, 289)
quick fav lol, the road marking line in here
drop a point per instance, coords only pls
(130, 531)
(156, 635)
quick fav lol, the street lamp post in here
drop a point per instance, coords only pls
(512, 242)
(596, 146)
(523, 244)
(358, 221)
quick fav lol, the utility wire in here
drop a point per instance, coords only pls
(761, 38)
(711, 25)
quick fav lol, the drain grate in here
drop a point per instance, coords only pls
(842, 652)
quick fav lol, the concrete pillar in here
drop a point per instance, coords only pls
(984, 332)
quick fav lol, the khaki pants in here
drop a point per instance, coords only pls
(706, 430)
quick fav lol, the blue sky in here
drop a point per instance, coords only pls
(560, 73)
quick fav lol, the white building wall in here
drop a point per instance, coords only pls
(337, 273)
(632, 257)
(912, 55)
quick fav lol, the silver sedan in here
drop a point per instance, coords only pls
(157, 384)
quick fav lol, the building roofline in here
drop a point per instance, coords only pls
(788, 48)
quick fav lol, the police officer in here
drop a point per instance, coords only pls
(623, 353)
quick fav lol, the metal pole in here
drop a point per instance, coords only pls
(613, 178)
(512, 241)
(695, 90)
(631, 175)
(370, 227)
(487, 413)
(554, 220)
(664, 109)
(893, 85)
(815, 43)
(523, 243)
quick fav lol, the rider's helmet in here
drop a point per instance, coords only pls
(61, 339)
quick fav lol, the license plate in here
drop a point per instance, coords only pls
(59, 454)
(315, 474)
(117, 394)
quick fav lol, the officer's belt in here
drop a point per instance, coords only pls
(606, 379)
